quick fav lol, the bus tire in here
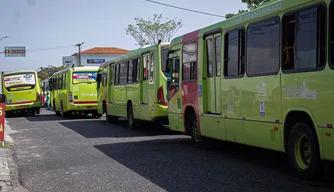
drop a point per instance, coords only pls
(303, 152)
(63, 113)
(38, 111)
(131, 120)
(196, 138)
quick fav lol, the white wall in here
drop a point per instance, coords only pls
(70, 60)
(98, 60)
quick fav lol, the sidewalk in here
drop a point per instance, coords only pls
(9, 180)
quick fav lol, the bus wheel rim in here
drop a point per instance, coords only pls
(303, 151)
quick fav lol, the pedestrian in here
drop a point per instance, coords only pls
(43, 100)
(48, 100)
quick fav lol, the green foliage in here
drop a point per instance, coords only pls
(234, 14)
(251, 4)
(152, 30)
(46, 72)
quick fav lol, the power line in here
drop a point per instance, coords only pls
(191, 10)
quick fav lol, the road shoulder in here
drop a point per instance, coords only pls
(9, 177)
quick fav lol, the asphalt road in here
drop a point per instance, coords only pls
(86, 154)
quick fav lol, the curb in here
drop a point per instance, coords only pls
(9, 177)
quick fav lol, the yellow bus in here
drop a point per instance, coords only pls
(73, 90)
(263, 78)
(137, 86)
(102, 88)
(23, 92)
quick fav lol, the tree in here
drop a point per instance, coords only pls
(152, 30)
(46, 72)
(251, 4)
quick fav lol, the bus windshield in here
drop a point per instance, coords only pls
(84, 77)
(164, 51)
(18, 82)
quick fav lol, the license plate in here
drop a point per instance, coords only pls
(89, 107)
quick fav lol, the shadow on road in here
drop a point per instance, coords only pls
(54, 117)
(102, 129)
(177, 166)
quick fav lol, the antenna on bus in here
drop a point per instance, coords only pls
(73, 66)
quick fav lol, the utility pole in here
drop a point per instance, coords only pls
(79, 46)
(4, 38)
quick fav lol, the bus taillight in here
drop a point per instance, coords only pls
(70, 97)
(161, 98)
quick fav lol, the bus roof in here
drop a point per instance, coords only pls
(82, 68)
(265, 10)
(22, 71)
(136, 52)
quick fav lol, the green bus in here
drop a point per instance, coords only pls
(73, 90)
(262, 78)
(137, 86)
(102, 88)
(23, 92)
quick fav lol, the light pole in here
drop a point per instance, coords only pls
(79, 45)
(4, 37)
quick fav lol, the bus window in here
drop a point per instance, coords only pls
(189, 62)
(130, 73)
(152, 67)
(263, 47)
(301, 39)
(164, 52)
(19, 82)
(234, 53)
(176, 71)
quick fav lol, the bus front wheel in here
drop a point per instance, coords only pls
(303, 152)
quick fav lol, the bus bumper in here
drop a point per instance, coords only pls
(83, 108)
(24, 107)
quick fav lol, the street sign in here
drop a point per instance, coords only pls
(2, 117)
(95, 61)
(15, 51)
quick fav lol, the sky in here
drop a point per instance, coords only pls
(49, 29)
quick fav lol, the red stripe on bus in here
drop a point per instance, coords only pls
(21, 102)
(85, 102)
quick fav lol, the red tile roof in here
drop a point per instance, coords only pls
(104, 51)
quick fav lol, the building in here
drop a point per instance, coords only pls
(94, 56)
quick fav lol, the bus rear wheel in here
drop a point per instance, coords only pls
(303, 152)
(197, 139)
(131, 120)
(62, 112)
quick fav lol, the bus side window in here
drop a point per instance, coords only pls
(130, 72)
(116, 81)
(152, 67)
(176, 71)
(138, 70)
(304, 39)
(64, 77)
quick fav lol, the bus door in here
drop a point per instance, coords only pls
(112, 83)
(213, 53)
(144, 92)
